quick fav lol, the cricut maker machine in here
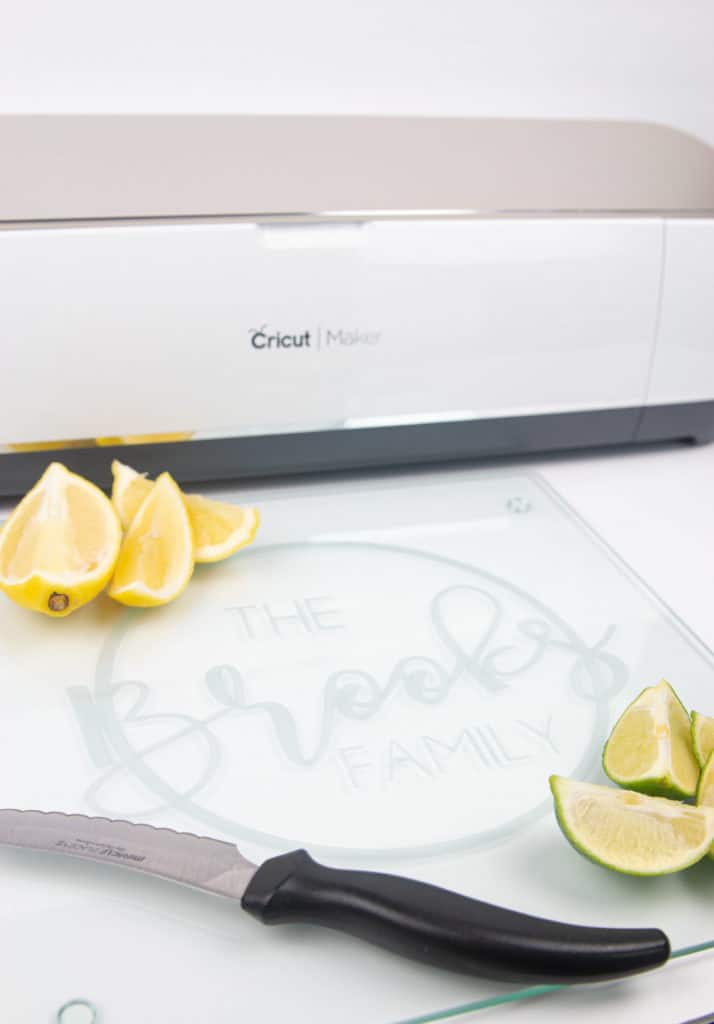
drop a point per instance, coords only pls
(293, 294)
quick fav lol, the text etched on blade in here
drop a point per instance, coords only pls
(91, 849)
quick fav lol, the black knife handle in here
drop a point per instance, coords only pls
(444, 929)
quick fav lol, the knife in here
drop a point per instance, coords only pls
(417, 920)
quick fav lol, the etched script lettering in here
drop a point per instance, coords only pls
(397, 722)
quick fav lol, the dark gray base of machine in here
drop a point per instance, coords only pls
(235, 458)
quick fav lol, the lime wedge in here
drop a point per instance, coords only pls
(702, 737)
(650, 748)
(629, 832)
(705, 789)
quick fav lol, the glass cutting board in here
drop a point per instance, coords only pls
(387, 677)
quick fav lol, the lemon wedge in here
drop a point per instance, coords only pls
(129, 490)
(220, 528)
(59, 547)
(157, 556)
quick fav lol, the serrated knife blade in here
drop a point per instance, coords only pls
(208, 864)
(423, 922)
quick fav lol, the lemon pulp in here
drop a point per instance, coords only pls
(157, 555)
(59, 546)
(220, 528)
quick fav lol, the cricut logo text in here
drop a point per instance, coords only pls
(263, 338)
(318, 337)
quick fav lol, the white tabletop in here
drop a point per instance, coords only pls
(652, 507)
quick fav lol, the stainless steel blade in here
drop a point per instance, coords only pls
(208, 864)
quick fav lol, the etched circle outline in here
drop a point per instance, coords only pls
(157, 785)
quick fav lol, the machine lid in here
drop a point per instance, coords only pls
(86, 167)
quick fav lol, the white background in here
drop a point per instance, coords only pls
(622, 59)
